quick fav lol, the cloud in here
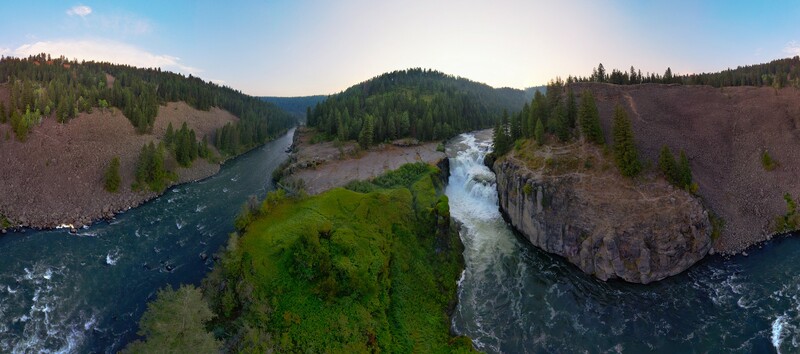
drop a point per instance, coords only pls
(106, 50)
(792, 48)
(5, 51)
(79, 10)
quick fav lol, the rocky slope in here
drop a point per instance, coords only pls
(56, 176)
(724, 131)
(571, 201)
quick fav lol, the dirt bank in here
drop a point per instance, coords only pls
(323, 166)
(724, 132)
(56, 176)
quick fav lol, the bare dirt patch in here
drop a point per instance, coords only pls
(56, 176)
(723, 131)
(323, 166)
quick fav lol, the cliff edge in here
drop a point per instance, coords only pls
(570, 200)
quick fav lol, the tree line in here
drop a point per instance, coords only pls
(41, 85)
(777, 73)
(416, 103)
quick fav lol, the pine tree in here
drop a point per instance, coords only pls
(589, 118)
(501, 138)
(169, 136)
(625, 154)
(572, 109)
(539, 132)
(601, 73)
(366, 134)
(666, 162)
(112, 177)
(684, 171)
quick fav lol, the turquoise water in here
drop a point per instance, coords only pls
(514, 298)
(85, 293)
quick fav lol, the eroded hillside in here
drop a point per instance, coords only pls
(724, 132)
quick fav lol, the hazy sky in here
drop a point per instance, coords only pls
(291, 48)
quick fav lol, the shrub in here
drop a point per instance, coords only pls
(527, 189)
(175, 322)
(767, 161)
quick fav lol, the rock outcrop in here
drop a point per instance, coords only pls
(572, 202)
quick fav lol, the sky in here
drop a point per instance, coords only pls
(298, 48)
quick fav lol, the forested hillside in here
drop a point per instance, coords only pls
(296, 106)
(423, 104)
(40, 86)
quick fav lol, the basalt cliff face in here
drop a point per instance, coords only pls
(570, 201)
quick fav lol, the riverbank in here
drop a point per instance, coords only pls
(56, 176)
(324, 165)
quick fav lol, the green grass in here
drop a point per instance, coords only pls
(346, 271)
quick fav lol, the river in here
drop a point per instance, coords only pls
(85, 293)
(514, 298)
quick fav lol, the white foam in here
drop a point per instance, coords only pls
(777, 331)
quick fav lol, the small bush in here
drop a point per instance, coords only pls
(527, 189)
(767, 161)
(717, 225)
(791, 220)
(518, 144)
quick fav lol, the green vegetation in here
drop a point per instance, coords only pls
(546, 114)
(589, 118)
(423, 104)
(625, 154)
(717, 225)
(299, 107)
(791, 220)
(678, 173)
(777, 73)
(345, 271)
(539, 132)
(112, 177)
(150, 171)
(175, 323)
(767, 161)
(41, 85)
(501, 136)
(185, 146)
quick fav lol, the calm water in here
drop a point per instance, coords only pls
(85, 293)
(516, 299)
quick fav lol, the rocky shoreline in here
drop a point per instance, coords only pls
(317, 167)
(55, 178)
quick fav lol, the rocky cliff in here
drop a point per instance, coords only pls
(571, 201)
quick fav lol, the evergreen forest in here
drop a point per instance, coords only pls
(415, 103)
